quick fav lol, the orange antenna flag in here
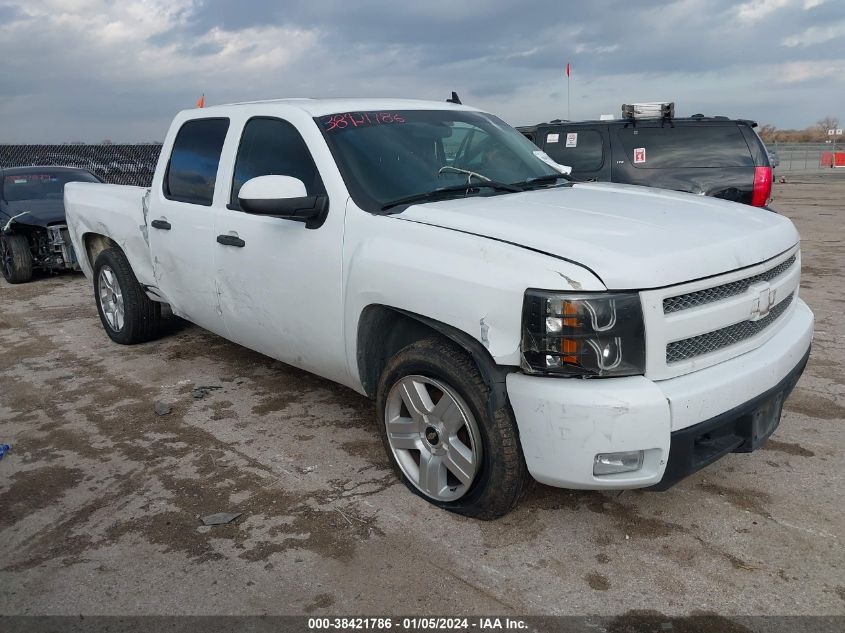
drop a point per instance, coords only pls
(201, 102)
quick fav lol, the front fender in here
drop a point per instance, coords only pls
(471, 283)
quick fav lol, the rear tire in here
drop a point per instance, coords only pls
(15, 258)
(128, 315)
(450, 423)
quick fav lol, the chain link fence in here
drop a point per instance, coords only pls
(116, 164)
(807, 157)
(135, 164)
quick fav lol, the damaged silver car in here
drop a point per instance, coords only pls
(33, 231)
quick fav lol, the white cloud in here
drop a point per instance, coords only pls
(797, 72)
(756, 10)
(521, 54)
(593, 49)
(816, 35)
(135, 40)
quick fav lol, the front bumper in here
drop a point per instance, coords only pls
(565, 423)
(743, 429)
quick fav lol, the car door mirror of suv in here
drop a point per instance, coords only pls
(283, 197)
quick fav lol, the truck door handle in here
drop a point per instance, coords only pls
(164, 225)
(230, 240)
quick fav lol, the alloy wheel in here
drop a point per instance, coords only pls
(433, 436)
(111, 298)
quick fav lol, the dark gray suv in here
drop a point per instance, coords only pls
(712, 156)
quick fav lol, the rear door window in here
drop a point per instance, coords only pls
(583, 150)
(192, 170)
(755, 143)
(686, 146)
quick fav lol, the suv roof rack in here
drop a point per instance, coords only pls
(654, 110)
(748, 122)
(633, 122)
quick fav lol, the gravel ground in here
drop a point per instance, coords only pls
(100, 497)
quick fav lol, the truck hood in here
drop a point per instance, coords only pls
(35, 212)
(630, 237)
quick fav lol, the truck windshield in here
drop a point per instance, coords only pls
(393, 155)
(39, 185)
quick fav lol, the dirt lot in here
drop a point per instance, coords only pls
(100, 497)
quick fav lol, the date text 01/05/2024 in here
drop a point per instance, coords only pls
(417, 624)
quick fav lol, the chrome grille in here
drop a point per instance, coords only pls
(709, 295)
(716, 340)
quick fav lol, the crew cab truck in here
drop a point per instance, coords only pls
(510, 324)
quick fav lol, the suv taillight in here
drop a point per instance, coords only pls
(762, 186)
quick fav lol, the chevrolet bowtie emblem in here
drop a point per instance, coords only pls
(765, 297)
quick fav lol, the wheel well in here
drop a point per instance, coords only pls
(383, 331)
(96, 244)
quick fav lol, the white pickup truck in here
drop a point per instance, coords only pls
(508, 322)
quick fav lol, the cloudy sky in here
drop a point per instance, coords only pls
(95, 69)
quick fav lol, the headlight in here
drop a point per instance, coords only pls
(583, 335)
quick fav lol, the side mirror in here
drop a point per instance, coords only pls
(283, 197)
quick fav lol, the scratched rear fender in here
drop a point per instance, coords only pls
(113, 211)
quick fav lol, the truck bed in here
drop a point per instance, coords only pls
(113, 211)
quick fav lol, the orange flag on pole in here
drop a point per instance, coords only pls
(201, 102)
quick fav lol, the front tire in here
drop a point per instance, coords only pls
(15, 258)
(442, 435)
(128, 315)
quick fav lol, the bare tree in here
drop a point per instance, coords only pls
(768, 133)
(827, 123)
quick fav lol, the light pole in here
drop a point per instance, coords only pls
(832, 134)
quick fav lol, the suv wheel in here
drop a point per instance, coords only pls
(15, 258)
(442, 435)
(128, 315)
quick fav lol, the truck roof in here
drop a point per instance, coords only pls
(322, 107)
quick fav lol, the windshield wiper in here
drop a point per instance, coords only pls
(437, 193)
(457, 170)
(542, 180)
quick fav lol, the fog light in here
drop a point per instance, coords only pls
(612, 463)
